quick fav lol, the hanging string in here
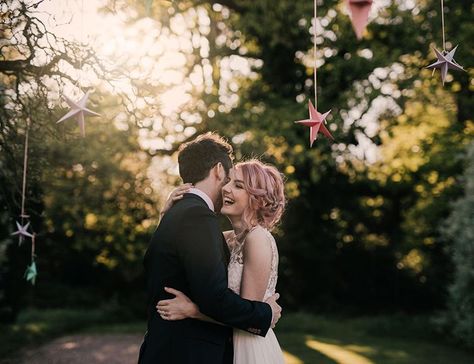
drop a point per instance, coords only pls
(25, 164)
(442, 26)
(25, 167)
(33, 248)
(315, 51)
(82, 37)
(81, 41)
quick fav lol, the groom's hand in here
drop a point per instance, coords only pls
(276, 308)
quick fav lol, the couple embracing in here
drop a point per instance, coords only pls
(211, 295)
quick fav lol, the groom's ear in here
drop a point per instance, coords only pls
(219, 171)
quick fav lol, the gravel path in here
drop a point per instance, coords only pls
(90, 349)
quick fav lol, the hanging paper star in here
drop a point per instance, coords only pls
(359, 10)
(22, 231)
(445, 61)
(316, 123)
(78, 110)
(31, 273)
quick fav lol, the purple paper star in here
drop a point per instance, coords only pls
(445, 61)
(22, 231)
(78, 110)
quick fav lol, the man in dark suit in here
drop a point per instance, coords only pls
(188, 252)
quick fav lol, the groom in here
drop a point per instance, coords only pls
(188, 252)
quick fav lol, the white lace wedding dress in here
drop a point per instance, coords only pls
(249, 348)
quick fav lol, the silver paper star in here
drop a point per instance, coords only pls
(78, 110)
(22, 231)
(445, 61)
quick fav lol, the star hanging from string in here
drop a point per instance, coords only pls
(22, 231)
(31, 273)
(359, 10)
(78, 110)
(316, 123)
(444, 62)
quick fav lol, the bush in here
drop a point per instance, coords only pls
(459, 228)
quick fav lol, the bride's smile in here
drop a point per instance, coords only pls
(234, 195)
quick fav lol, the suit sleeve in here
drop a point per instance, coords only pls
(200, 250)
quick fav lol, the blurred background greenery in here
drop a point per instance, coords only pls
(379, 223)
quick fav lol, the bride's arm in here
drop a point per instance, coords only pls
(257, 265)
(175, 195)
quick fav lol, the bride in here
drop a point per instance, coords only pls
(254, 202)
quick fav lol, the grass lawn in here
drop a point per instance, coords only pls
(304, 338)
(365, 340)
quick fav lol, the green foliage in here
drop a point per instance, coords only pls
(90, 200)
(91, 203)
(369, 228)
(459, 228)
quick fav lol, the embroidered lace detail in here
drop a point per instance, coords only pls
(236, 264)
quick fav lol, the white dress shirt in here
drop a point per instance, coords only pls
(204, 196)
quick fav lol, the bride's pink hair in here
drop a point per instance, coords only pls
(266, 190)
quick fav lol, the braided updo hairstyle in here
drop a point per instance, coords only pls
(266, 190)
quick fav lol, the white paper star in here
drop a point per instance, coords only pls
(78, 110)
(445, 61)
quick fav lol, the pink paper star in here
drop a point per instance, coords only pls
(78, 110)
(359, 10)
(445, 61)
(315, 123)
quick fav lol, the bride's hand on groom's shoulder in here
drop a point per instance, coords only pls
(276, 308)
(175, 195)
(177, 308)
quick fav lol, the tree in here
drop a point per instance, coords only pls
(73, 185)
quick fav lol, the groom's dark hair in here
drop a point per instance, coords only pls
(197, 157)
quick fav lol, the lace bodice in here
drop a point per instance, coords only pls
(236, 264)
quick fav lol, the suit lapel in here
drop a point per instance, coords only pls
(225, 248)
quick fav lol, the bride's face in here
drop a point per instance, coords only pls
(234, 195)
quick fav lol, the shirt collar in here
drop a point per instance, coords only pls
(204, 196)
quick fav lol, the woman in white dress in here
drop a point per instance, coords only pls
(254, 202)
